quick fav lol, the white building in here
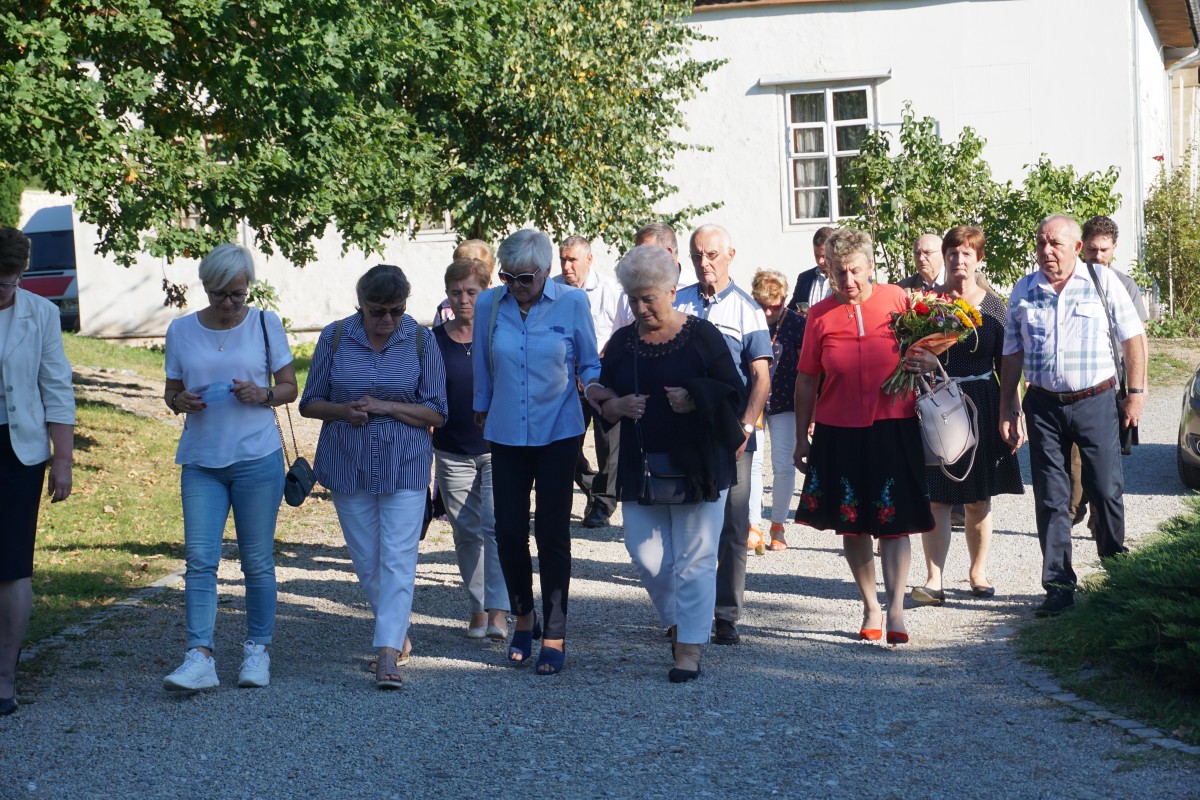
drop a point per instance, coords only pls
(1084, 81)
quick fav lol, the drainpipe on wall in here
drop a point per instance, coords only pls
(1139, 178)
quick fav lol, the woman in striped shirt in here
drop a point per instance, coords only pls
(378, 383)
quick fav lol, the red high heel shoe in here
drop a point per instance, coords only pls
(871, 634)
(897, 637)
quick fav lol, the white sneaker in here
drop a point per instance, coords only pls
(256, 669)
(197, 671)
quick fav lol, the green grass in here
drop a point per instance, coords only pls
(101, 353)
(120, 529)
(1133, 642)
(1167, 369)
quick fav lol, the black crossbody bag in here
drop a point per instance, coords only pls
(1128, 435)
(662, 483)
(300, 479)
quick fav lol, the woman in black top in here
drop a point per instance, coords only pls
(462, 462)
(671, 383)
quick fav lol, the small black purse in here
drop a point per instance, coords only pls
(662, 483)
(300, 479)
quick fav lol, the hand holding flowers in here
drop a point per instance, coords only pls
(931, 324)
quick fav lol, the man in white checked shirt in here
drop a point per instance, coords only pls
(1057, 332)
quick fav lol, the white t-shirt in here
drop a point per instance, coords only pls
(6, 319)
(227, 432)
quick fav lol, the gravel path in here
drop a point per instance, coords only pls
(799, 709)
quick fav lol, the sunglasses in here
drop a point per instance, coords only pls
(379, 313)
(775, 309)
(523, 279)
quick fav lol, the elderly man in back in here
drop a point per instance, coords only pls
(931, 269)
(603, 294)
(1057, 334)
(716, 298)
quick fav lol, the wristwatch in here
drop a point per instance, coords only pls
(747, 428)
(1131, 390)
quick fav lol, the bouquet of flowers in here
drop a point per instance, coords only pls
(931, 322)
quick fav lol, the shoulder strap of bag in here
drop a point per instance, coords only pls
(1118, 362)
(497, 293)
(637, 423)
(262, 322)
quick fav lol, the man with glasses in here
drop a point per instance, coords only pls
(931, 269)
(603, 294)
(716, 298)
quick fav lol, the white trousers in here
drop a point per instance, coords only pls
(756, 479)
(382, 534)
(781, 428)
(675, 551)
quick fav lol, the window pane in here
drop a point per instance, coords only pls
(850, 137)
(849, 204)
(808, 140)
(850, 105)
(811, 205)
(808, 107)
(810, 172)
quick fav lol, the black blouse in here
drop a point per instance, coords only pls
(697, 351)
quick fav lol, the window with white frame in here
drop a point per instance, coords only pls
(825, 128)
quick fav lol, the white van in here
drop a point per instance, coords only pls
(52, 261)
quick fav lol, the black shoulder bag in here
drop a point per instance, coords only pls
(299, 481)
(1128, 435)
(662, 483)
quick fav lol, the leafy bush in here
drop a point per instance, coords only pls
(1172, 251)
(1144, 613)
(11, 188)
(928, 186)
(1173, 326)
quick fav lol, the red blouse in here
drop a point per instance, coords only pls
(855, 365)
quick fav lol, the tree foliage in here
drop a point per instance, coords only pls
(11, 189)
(926, 185)
(172, 121)
(1172, 249)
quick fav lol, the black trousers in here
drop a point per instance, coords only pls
(731, 549)
(599, 484)
(546, 470)
(21, 488)
(1092, 424)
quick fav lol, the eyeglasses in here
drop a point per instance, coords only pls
(10, 284)
(522, 279)
(379, 313)
(221, 297)
(711, 255)
(774, 309)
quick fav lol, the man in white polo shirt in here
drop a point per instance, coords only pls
(741, 321)
(603, 293)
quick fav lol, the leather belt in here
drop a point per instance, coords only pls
(1067, 398)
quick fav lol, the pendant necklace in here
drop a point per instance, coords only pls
(225, 338)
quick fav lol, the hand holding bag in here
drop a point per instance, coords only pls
(949, 423)
(662, 483)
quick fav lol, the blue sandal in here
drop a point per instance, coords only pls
(522, 643)
(552, 658)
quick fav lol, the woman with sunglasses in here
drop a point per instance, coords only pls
(532, 338)
(378, 384)
(37, 426)
(231, 455)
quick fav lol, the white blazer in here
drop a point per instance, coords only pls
(36, 376)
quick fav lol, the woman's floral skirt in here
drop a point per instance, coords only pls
(867, 480)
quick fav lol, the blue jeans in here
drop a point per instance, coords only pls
(253, 489)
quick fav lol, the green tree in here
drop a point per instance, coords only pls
(11, 188)
(174, 120)
(928, 186)
(924, 187)
(1172, 249)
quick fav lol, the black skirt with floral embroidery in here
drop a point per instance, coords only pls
(867, 480)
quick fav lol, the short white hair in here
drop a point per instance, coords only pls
(526, 248)
(708, 227)
(647, 266)
(1072, 226)
(224, 263)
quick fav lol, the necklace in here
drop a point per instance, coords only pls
(466, 347)
(228, 333)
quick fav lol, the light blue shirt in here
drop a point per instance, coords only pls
(525, 368)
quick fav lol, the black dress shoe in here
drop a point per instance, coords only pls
(725, 632)
(677, 675)
(8, 705)
(1056, 602)
(596, 519)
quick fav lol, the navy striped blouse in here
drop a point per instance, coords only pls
(385, 455)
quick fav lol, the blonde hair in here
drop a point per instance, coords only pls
(477, 249)
(769, 285)
(845, 242)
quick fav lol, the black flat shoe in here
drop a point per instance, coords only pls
(8, 705)
(983, 591)
(677, 675)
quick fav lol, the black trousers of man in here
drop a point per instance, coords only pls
(599, 485)
(1092, 424)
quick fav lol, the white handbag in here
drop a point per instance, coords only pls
(949, 423)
